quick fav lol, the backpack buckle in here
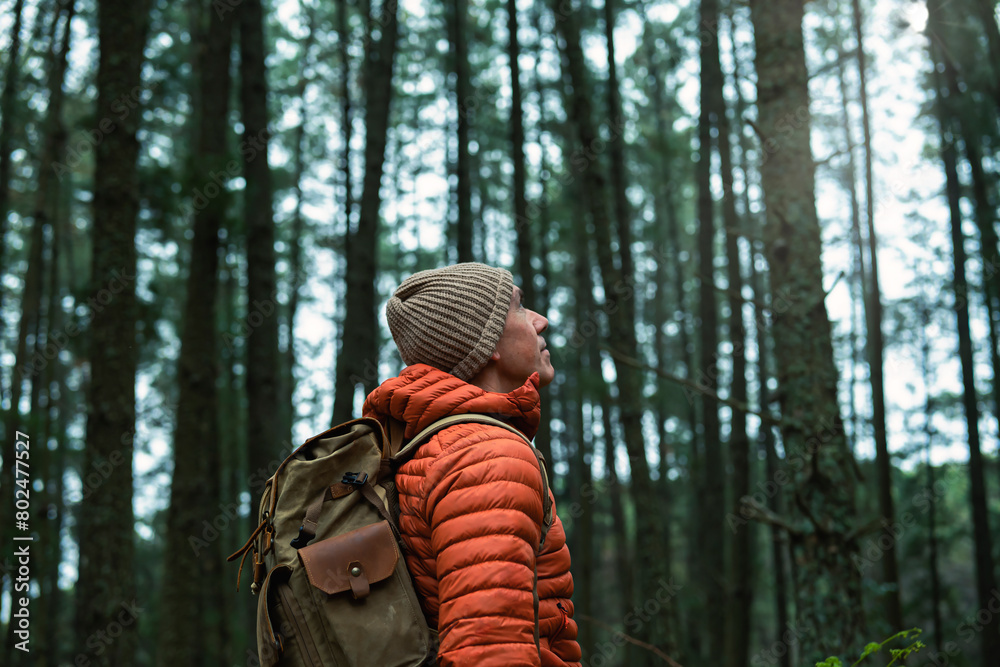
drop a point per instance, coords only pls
(355, 478)
(303, 538)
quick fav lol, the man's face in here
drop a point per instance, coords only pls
(521, 350)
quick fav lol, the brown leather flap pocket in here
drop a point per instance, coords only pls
(352, 561)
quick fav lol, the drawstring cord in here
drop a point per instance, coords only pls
(565, 619)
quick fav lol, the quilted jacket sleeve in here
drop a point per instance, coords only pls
(485, 515)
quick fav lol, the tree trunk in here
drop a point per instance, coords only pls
(618, 494)
(192, 629)
(873, 312)
(264, 432)
(616, 146)
(987, 15)
(460, 52)
(346, 120)
(583, 527)
(49, 469)
(984, 217)
(712, 506)
(347, 129)
(858, 281)
(105, 588)
(7, 102)
(740, 593)
(663, 411)
(668, 226)
(619, 290)
(233, 448)
(779, 539)
(985, 578)
(358, 359)
(932, 545)
(543, 439)
(829, 613)
(287, 396)
(522, 224)
(984, 210)
(50, 472)
(25, 369)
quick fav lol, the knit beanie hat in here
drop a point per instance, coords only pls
(451, 318)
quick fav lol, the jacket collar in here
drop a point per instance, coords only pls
(422, 394)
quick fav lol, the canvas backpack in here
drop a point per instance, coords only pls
(328, 565)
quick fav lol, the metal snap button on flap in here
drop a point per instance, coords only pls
(359, 581)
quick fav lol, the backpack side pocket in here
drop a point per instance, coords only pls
(283, 636)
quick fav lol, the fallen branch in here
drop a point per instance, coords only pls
(751, 509)
(633, 640)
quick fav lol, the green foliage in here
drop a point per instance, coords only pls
(898, 655)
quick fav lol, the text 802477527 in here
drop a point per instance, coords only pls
(20, 619)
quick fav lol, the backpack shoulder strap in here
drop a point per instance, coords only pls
(420, 438)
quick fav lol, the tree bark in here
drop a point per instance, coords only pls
(829, 614)
(264, 432)
(106, 585)
(193, 632)
(358, 359)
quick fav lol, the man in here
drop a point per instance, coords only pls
(470, 498)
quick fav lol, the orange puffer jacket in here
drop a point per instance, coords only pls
(470, 515)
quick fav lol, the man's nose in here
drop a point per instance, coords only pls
(541, 323)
